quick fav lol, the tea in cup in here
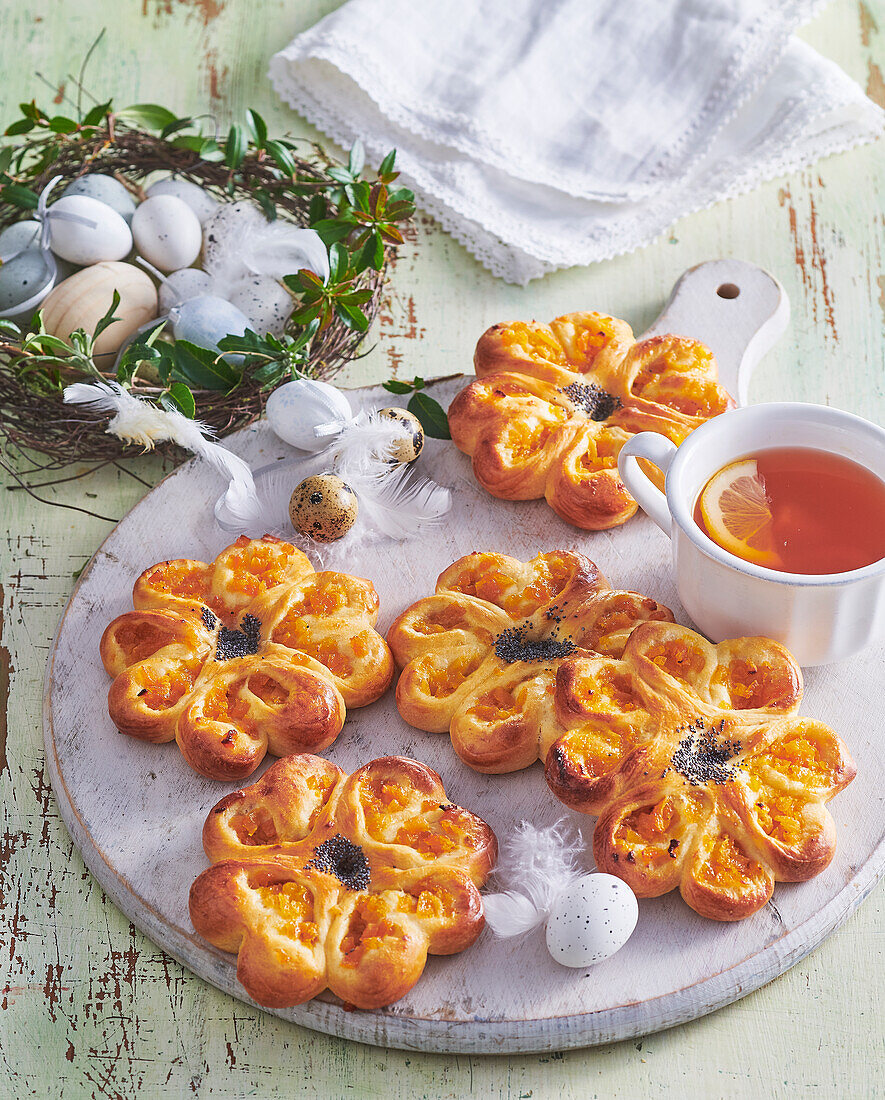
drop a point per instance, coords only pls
(777, 519)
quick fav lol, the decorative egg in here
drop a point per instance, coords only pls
(266, 303)
(24, 283)
(183, 285)
(84, 298)
(410, 445)
(200, 201)
(104, 189)
(591, 919)
(167, 232)
(19, 237)
(294, 409)
(206, 320)
(323, 507)
(86, 231)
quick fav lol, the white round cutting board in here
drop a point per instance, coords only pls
(136, 810)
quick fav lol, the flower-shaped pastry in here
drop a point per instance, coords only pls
(700, 773)
(480, 658)
(347, 882)
(251, 653)
(553, 405)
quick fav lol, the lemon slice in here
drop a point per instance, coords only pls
(737, 515)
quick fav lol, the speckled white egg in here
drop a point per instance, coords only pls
(591, 920)
(19, 237)
(411, 444)
(206, 320)
(294, 409)
(167, 232)
(323, 507)
(104, 189)
(266, 303)
(183, 285)
(200, 201)
(86, 231)
(24, 281)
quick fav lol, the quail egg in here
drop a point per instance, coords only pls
(411, 444)
(591, 920)
(86, 231)
(323, 507)
(167, 232)
(19, 237)
(200, 201)
(104, 189)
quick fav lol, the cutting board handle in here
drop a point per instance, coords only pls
(736, 309)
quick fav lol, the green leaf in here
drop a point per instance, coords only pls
(258, 127)
(19, 196)
(395, 386)
(149, 115)
(388, 163)
(5, 158)
(340, 175)
(22, 126)
(31, 110)
(182, 398)
(357, 158)
(202, 368)
(315, 211)
(282, 156)
(266, 203)
(109, 317)
(338, 263)
(95, 115)
(58, 124)
(174, 127)
(352, 316)
(431, 414)
(235, 147)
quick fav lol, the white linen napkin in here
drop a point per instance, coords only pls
(548, 133)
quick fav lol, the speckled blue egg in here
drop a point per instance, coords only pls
(183, 285)
(206, 320)
(266, 303)
(200, 201)
(104, 189)
(18, 237)
(24, 277)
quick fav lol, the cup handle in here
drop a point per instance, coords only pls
(659, 450)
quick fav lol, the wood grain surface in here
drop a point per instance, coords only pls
(90, 1007)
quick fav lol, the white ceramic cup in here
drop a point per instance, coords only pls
(819, 618)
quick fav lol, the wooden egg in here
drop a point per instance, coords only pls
(411, 445)
(323, 507)
(84, 298)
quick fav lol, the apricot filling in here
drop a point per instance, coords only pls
(161, 689)
(780, 816)
(728, 870)
(255, 826)
(292, 902)
(268, 690)
(367, 929)
(255, 568)
(677, 658)
(493, 706)
(178, 578)
(441, 682)
(537, 343)
(801, 756)
(139, 640)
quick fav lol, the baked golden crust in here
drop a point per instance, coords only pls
(323, 880)
(552, 406)
(700, 773)
(251, 653)
(481, 657)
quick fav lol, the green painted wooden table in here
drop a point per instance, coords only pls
(92, 1008)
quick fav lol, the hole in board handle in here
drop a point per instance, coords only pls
(728, 290)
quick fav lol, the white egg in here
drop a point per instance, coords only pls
(16, 238)
(86, 231)
(295, 408)
(200, 201)
(266, 303)
(167, 232)
(591, 920)
(104, 189)
(182, 285)
(206, 320)
(24, 282)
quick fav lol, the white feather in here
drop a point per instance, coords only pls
(535, 866)
(136, 420)
(240, 241)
